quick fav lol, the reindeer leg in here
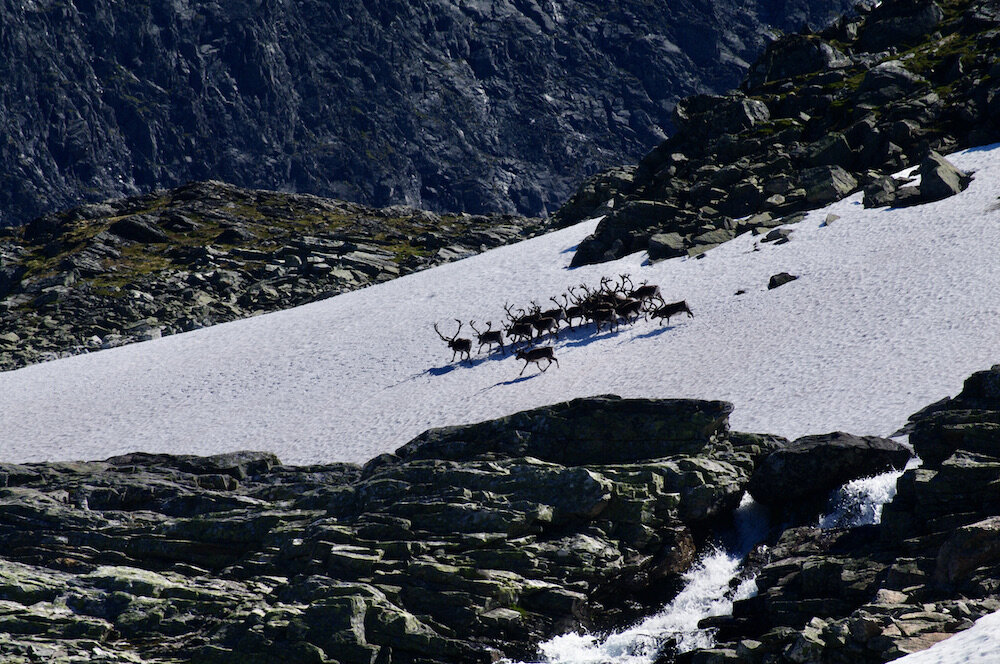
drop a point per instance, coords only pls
(526, 363)
(556, 361)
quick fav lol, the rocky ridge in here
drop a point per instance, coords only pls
(134, 269)
(476, 542)
(820, 116)
(876, 593)
(467, 544)
(500, 106)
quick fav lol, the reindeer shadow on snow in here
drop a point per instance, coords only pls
(600, 314)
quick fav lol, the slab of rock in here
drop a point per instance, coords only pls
(138, 229)
(471, 556)
(666, 245)
(827, 184)
(940, 179)
(780, 279)
(812, 466)
(594, 430)
(968, 548)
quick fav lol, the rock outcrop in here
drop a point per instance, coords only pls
(875, 593)
(455, 549)
(112, 273)
(819, 116)
(474, 543)
(807, 470)
(454, 106)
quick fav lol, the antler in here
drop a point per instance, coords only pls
(458, 331)
(443, 338)
(472, 324)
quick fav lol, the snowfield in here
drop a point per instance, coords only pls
(892, 311)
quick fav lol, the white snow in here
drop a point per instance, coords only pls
(980, 644)
(893, 310)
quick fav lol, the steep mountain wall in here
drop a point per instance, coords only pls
(497, 105)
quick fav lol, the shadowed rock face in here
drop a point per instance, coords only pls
(429, 557)
(502, 106)
(819, 116)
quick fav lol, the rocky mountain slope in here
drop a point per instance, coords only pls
(819, 116)
(444, 104)
(107, 274)
(473, 543)
(467, 544)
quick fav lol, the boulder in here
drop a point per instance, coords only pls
(137, 228)
(880, 192)
(827, 184)
(968, 548)
(889, 81)
(666, 245)
(595, 430)
(808, 469)
(780, 279)
(704, 115)
(795, 55)
(940, 179)
(899, 23)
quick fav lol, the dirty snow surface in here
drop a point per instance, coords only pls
(891, 311)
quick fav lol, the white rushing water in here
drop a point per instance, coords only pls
(713, 583)
(708, 590)
(859, 503)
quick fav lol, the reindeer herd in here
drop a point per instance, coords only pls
(612, 304)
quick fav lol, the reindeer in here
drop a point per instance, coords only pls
(459, 346)
(558, 314)
(536, 355)
(542, 323)
(520, 328)
(575, 311)
(645, 292)
(672, 309)
(488, 338)
(603, 314)
(630, 310)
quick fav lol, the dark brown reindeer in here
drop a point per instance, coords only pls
(630, 310)
(488, 337)
(542, 323)
(645, 291)
(459, 346)
(520, 326)
(575, 310)
(536, 355)
(672, 309)
(603, 314)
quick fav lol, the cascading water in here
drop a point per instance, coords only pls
(713, 584)
(708, 591)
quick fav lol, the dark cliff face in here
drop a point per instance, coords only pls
(489, 106)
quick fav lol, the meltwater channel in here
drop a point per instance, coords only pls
(714, 583)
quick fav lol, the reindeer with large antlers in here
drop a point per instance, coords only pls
(543, 323)
(646, 292)
(668, 310)
(575, 310)
(459, 346)
(520, 326)
(488, 337)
